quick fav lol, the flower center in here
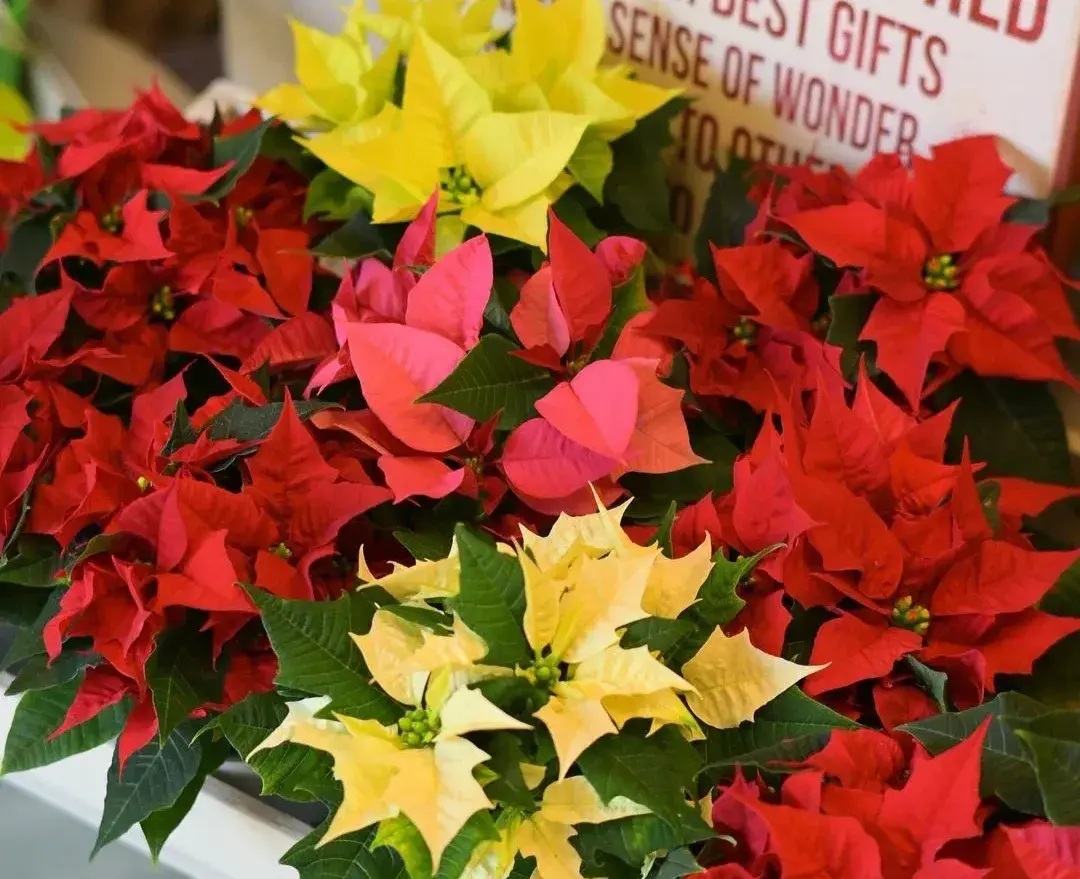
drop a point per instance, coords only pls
(908, 615)
(144, 484)
(458, 186)
(281, 551)
(244, 215)
(419, 727)
(745, 331)
(941, 273)
(163, 304)
(113, 220)
(545, 672)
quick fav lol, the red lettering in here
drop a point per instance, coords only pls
(616, 37)
(682, 208)
(931, 85)
(815, 102)
(910, 33)
(842, 51)
(883, 131)
(977, 16)
(701, 60)
(777, 28)
(906, 134)
(683, 41)
(879, 47)
(788, 92)
(752, 81)
(1031, 33)
(636, 34)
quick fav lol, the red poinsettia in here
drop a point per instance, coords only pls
(861, 809)
(897, 544)
(959, 283)
(752, 337)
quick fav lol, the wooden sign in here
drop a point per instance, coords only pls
(836, 81)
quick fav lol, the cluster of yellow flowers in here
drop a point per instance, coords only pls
(583, 584)
(501, 133)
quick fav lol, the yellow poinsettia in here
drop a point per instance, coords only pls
(499, 172)
(339, 81)
(417, 582)
(540, 72)
(15, 115)
(460, 31)
(546, 833)
(421, 768)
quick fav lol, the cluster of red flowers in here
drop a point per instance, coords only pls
(869, 807)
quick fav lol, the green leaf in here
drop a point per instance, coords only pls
(1055, 679)
(27, 244)
(573, 211)
(241, 150)
(847, 317)
(334, 197)
(627, 300)
(490, 379)
(591, 163)
(728, 211)
(638, 185)
(28, 642)
(631, 841)
(39, 673)
(21, 605)
(347, 857)
(153, 779)
(989, 496)
(357, 239)
(35, 563)
(663, 532)
(790, 728)
(931, 681)
(182, 433)
(245, 423)
(509, 787)
(504, 296)
(658, 634)
(1052, 742)
(428, 617)
(677, 864)
(182, 677)
(1064, 598)
(39, 713)
(654, 771)
(719, 602)
(158, 826)
(692, 483)
(283, 769)
(491, 600)
(1013, 426)
(1006, 771)
(402, 836)
(316, 654)
(424, 545)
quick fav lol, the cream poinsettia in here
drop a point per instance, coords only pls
(546, 833)
(339, 81)
(460, 31)
(565, 73)
(499, 172)
(421, 768)
(418, 582)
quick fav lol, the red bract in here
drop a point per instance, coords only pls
(878, 529)
(960, 285)
(752, 338)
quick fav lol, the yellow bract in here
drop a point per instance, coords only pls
(564, 73)
(417, 582)
(339, 82)
(460, 32)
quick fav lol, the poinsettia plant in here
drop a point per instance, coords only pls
(373, 443)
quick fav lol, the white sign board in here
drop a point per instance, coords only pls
(836, 81)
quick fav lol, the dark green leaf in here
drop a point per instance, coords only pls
(790, 728)
(658, 634)
(28, 642)
(509, 787)
(153, 779)
(283, 769)
(497, 311)
(591, 163)
(281, 145)
(28, 242)
(1014, 426)
(96, 545)
(316, 654)
(424, 545)
(631, 840)
(572, 210)
(21, 605)
(728, 211)
(1029, 212)
(1055, 679)
(1064, 598)
(663, 532)
(490, 379)
(39, 713)
(182, 676)
(989, 496)
(348, 857)
(1006, 772)
(847, 316)
(655, 771)
(638, 185)
(158, 826)
(335, 197)
(677, 864)
(930, 681)
(1052, 743)
(182, 433)
(240, 150)
(402, 835)
(245, 423)
(719, 601)
(39, 673)
(491, 601)
(357, 239)
(691, 483)
(628, 300)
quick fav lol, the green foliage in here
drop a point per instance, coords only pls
(239, 152)
(728, 211)
(334, 197)
(1052, 743)
(357, 239)
(28, 242)
(41, 673)
(39, 713)
(847, 317)
(245, 423)
(719, 601)
(182, 676)
(182, 433)
(35, 562)
(317, 656)
(401, 835)
(617, 849)
(492, 598)
(591, 163)
(348, 857)
(628, 300)
(652, 492)
(489, 380)
(930, 681)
